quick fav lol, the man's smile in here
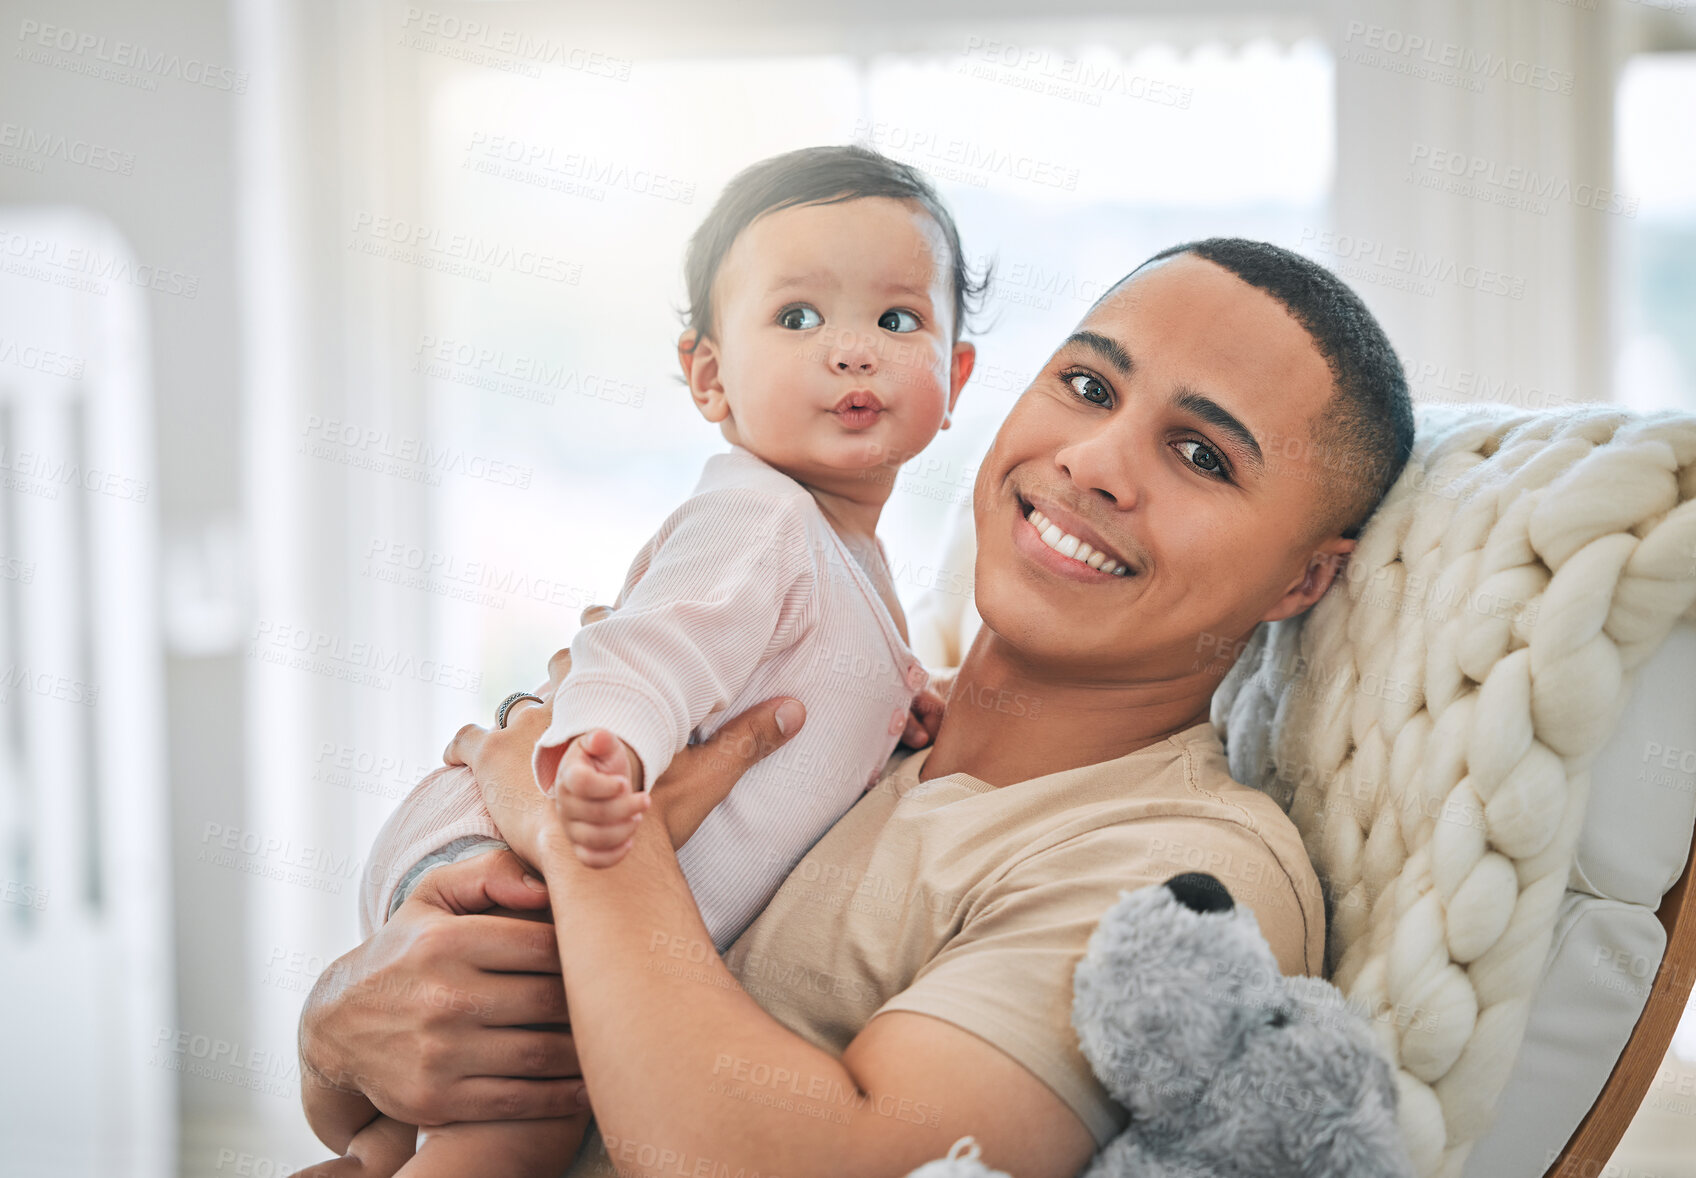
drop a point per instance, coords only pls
(1076, 548)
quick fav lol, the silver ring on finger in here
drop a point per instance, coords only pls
(506, 705)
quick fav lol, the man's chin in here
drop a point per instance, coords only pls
(1041, 628)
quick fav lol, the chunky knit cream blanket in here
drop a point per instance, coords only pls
(1429, 726)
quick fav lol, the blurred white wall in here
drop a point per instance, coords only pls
(390, 474)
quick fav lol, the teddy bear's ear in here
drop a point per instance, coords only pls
(1200, 892)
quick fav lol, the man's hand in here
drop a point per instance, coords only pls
(429, 1017)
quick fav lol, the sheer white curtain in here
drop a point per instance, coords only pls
(464, 232)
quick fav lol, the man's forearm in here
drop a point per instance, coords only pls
(675, 1053)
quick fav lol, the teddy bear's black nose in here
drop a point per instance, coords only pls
(1200, 892)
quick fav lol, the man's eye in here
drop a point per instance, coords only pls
(1203, 458)
(799, 318)
(1089, 388)
(896, 319)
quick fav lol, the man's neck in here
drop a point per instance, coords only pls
(1008, 722)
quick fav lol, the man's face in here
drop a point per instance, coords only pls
(1170, 434)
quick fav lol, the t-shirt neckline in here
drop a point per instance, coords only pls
(906, 774)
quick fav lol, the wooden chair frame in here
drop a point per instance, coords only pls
(1587, 1151)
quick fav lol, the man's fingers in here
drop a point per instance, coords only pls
(559, 663)
(494, 879)
(526, 1053)
(464, 745)
(500, 1098)
(752, 736)
(517, 1000)
(504, 944)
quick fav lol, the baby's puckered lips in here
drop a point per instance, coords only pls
(1067, 536)
(859, 409)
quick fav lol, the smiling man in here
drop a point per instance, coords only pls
(1193, 460)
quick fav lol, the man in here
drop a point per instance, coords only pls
(1218, 428)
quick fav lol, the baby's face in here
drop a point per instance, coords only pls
(834, 352)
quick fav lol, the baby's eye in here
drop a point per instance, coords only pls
(896, 319)
(799, 318)
(1203, 457)
(1089, 388)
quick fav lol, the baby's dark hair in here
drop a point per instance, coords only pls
(815, 176)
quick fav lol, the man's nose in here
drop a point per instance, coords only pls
(1102, 463)
(853, 352)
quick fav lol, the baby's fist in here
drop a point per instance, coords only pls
(598, 796)
(924, 719)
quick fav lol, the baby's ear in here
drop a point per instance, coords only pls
(697, 355)
(963, 358)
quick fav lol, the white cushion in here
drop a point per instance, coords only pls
(1608, 942)
(1603, 958)
(1643, 786)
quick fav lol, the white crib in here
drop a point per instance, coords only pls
(85, 928)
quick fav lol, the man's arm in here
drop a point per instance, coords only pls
(684, 1064)
(685, 1060)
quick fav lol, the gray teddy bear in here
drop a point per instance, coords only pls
(1228, 1068)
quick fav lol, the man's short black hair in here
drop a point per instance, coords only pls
(1362, 438)
(814, 176)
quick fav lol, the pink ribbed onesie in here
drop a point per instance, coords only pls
(746, 592)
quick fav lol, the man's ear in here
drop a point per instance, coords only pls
(1323, 566)
(697, 355)
(959, 368)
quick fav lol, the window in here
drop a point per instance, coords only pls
(551, 360)
(1656, 172)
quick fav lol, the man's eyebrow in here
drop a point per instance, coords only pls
(1219, 417)
(1109, 349)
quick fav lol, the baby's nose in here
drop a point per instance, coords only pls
(1200, 892)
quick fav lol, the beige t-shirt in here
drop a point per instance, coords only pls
(973, 904)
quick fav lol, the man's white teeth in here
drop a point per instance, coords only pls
(1067, 544)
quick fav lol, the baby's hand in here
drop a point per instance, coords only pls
(597, 794)
(924, 719)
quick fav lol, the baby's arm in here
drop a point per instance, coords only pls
(338, 1116)
(378, 1150)
(725, 584)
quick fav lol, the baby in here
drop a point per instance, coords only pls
(826, 289)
